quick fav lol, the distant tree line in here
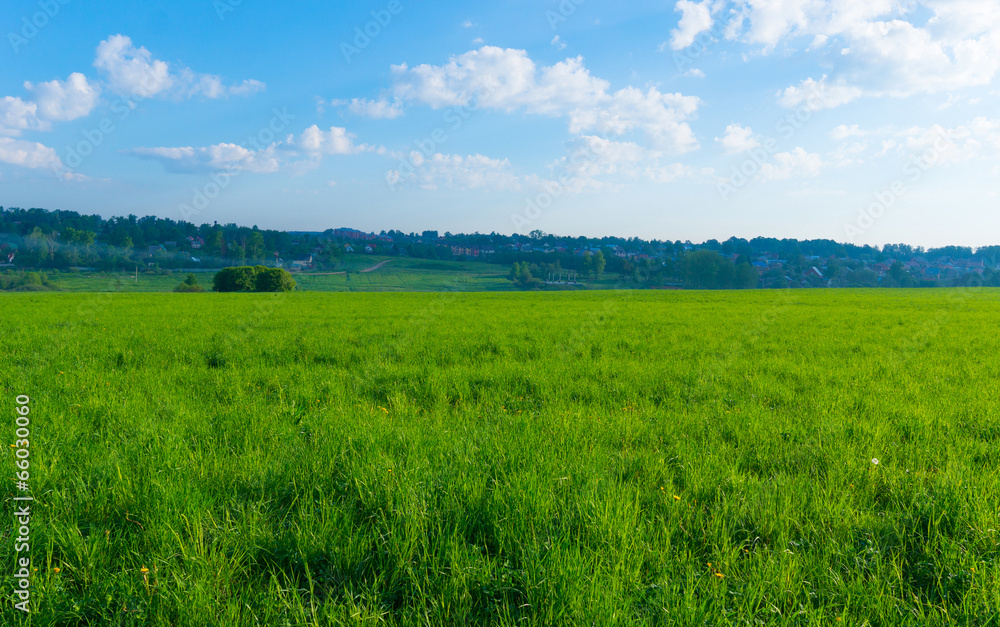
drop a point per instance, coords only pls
(64, 239)
(37, 239)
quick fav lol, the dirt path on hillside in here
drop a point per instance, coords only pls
(376, 266)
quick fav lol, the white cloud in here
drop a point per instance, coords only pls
(16, 116)
(456, 172)
(376, 109)
(336, 141)
(977, 139)
(843, 132)
(884, 48)
(817, 95)
(211, 86)
(28, 154)
(220, 157)
(738, 139)
(65, 101)
(938, 145)
(797, 163)
(133, 71)
(558, 43)
(694, 73)
(849, 154)
(595, 163)
(508, 80)
(696, 18)
(303, 151)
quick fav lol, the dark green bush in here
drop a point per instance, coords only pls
(253, 279)
(190, 284)
(275, 280)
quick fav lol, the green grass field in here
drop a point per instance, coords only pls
(355, 274)
(591, 458)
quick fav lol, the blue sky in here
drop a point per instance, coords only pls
(869, 122)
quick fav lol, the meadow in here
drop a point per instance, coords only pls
(355, 273)
(799, 457)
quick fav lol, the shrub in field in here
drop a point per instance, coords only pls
(520, 274)
(275, 280)
(190, 284)
(253, 279)
(239, 279)
(25, 282)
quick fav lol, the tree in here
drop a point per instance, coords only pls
(626, 270)
(253, 279)
(899, 277)
(238, 279)
(74, 237)
(190, 284)
(705, 269)
(520, 274)
(598, 263)
(216, 244)
(255, 245)
(275, 280)
(746, 277)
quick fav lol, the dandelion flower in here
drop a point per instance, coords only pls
(143, 570)
(677, 498)
(720, 575)
(56, 569)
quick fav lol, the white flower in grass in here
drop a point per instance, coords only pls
(874, 461)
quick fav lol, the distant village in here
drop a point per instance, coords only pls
(36, 239)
